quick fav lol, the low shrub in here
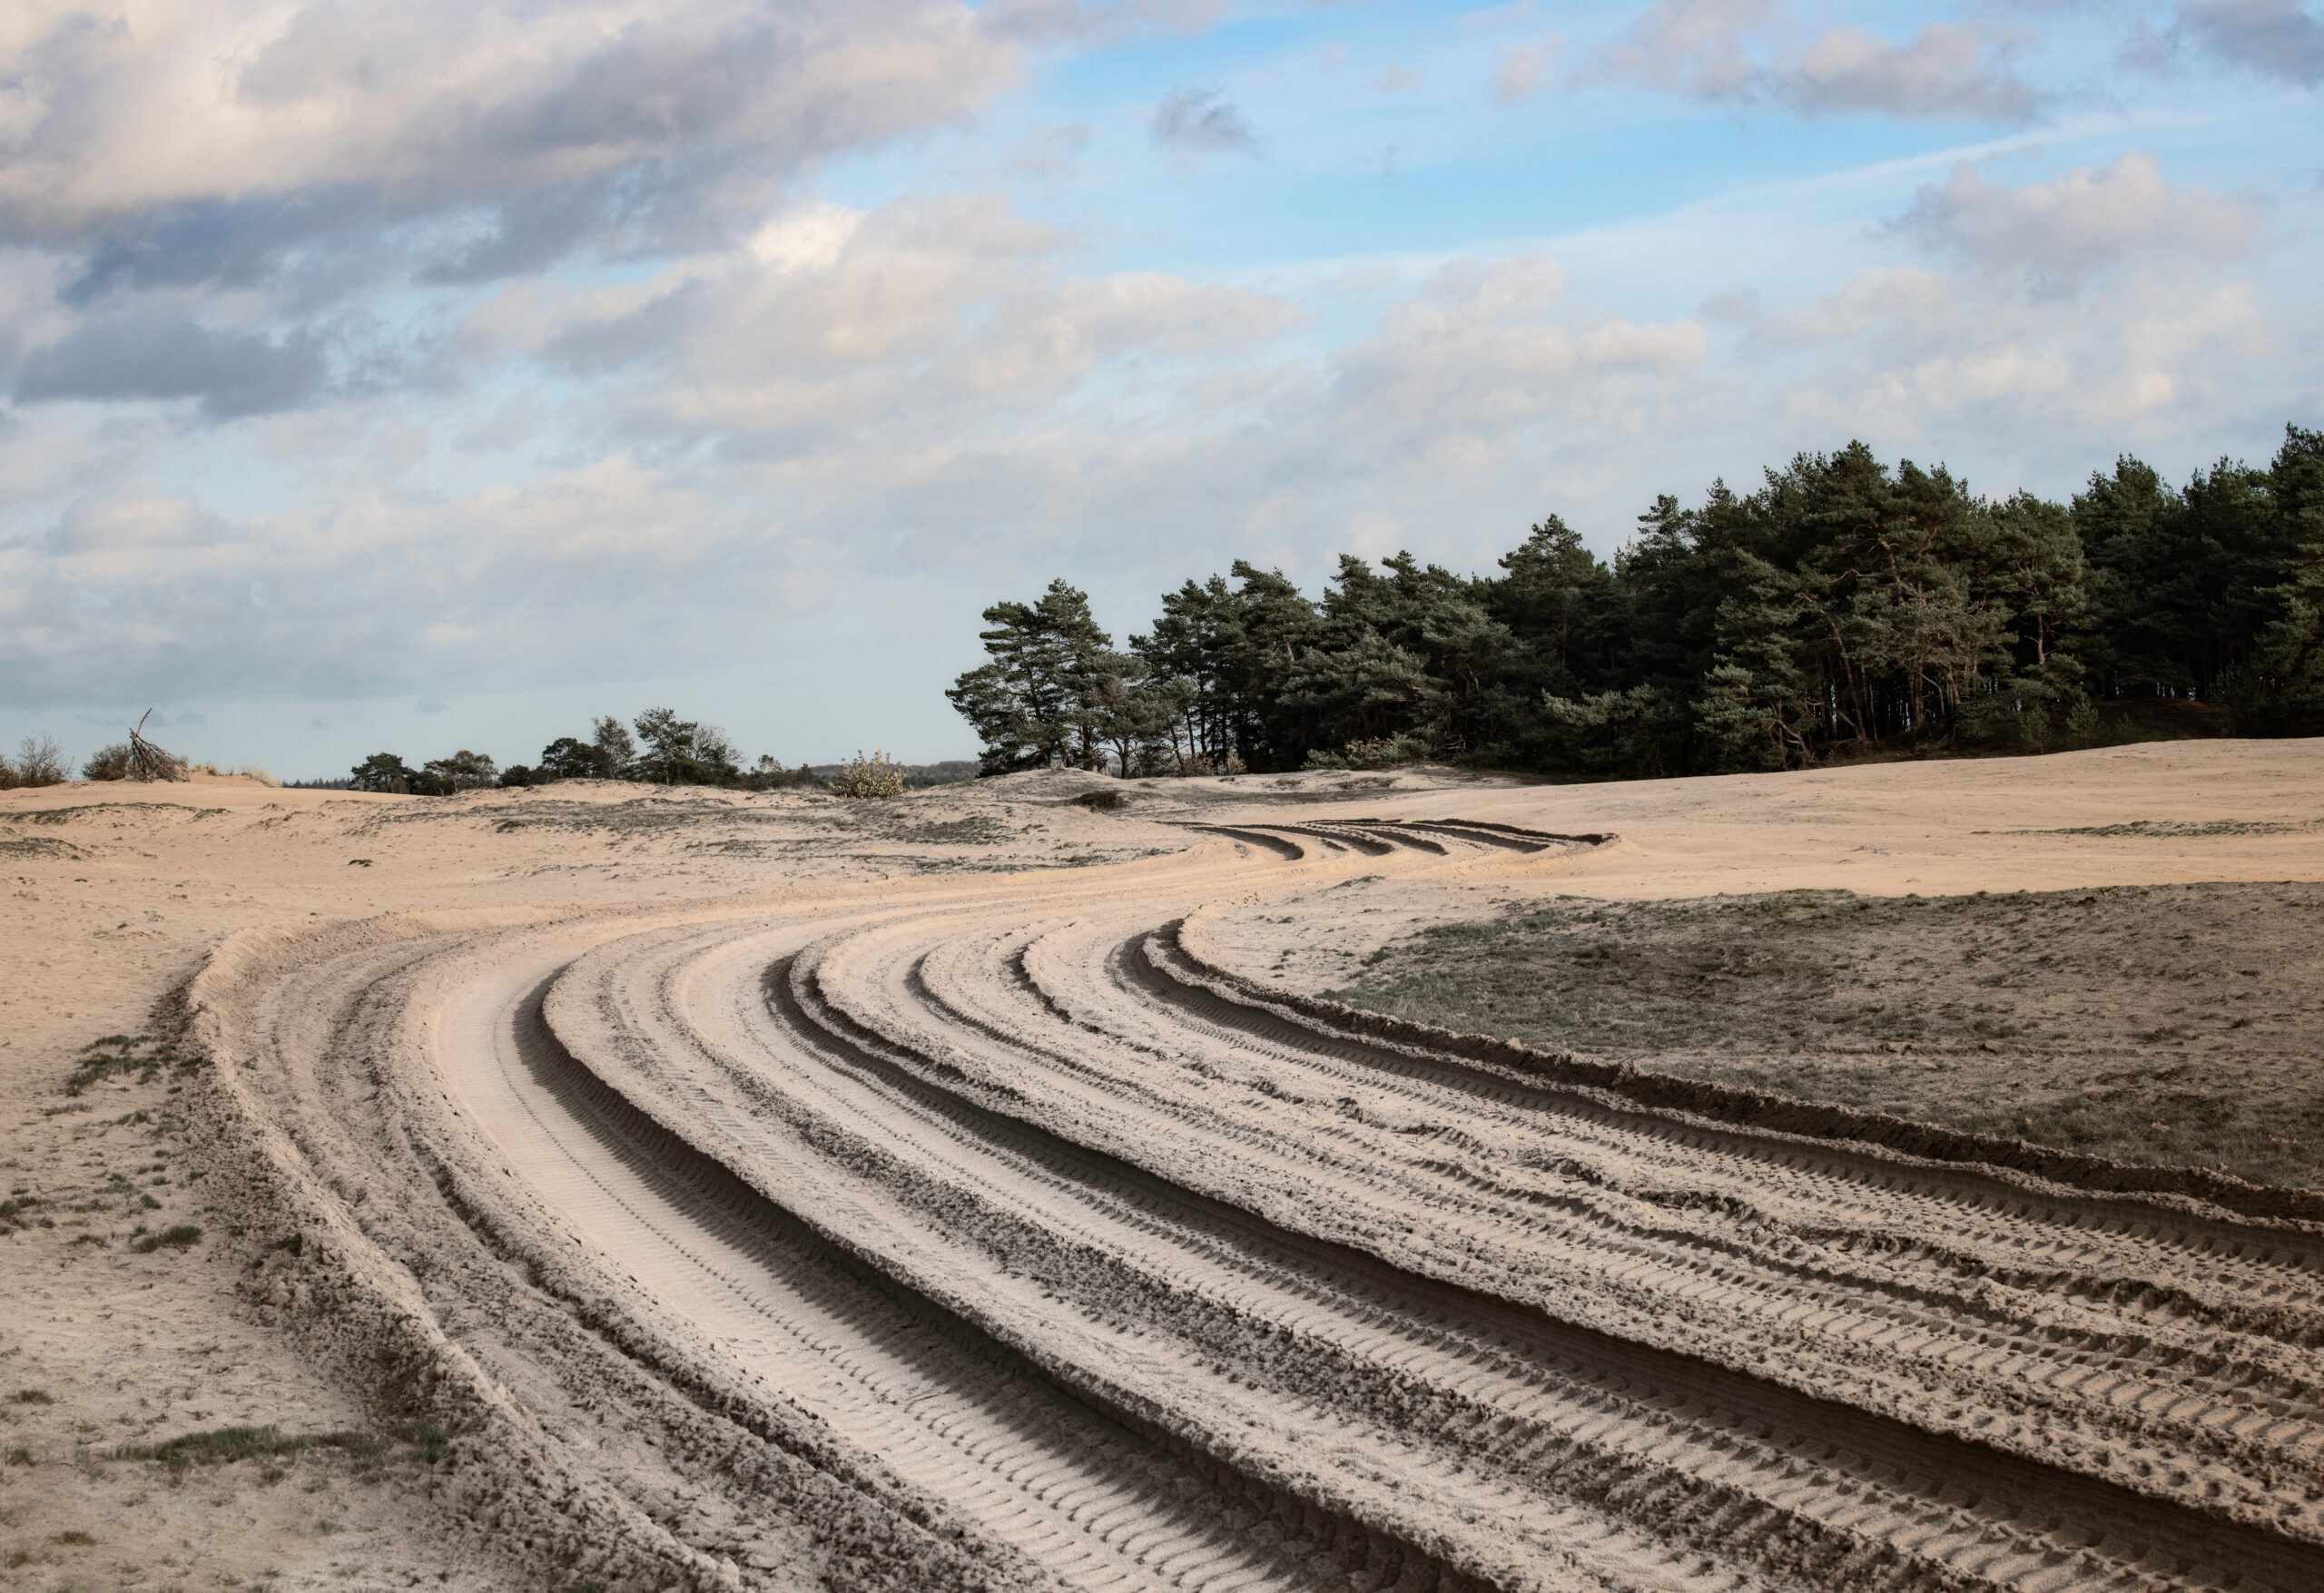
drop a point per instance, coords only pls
(877, 777)
(39, 761)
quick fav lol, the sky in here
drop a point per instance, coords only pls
(440, 374)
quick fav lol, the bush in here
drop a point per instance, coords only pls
(1381, 752)
(107, 762)
(878, 776)
(515, 776)
(39, 761)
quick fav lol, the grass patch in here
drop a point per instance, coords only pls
(39, 846)
(977, 830)
(417, 1443)
(173, 1238)
(33, 1397)
(117, 1056)
(2177, 830)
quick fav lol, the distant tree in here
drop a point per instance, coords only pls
(616, 751)
(567, 758)
(385, 771)
(515, 776)
(2292, 647)
(463, 771)
(669, 741)
(1035, 704)
(680, 751)
(769, 774)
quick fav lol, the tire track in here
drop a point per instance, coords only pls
(998, 1211)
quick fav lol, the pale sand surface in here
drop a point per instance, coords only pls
(497, 1124)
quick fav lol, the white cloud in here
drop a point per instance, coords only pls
(1520, 69)
(2081, 222)
(1477, 352)
(244, 129)
(1902, 357)
(221, 202)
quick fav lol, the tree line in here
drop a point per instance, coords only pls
(663, 750)
(1844, 607)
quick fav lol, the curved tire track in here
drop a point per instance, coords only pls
(1007, 1239)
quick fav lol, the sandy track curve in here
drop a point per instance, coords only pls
(990, 1235)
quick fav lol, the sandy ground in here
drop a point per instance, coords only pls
(495, 1054)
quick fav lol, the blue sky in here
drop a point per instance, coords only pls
(441, 376)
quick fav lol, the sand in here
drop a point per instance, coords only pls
(776, 1192)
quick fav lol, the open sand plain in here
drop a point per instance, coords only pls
(599, 1187)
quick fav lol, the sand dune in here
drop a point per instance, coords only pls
(1022, 1227)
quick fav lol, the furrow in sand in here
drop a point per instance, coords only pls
(2057, 1240)
(1337, 1192)
(978, 1242)
(1165, 1513)
(1701, 1261)
(2133, 1515)
(1000, 1207)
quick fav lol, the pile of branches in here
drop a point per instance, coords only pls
(148, 761)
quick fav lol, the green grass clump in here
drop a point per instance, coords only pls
(111, 1056)
(175, 1238)
(219, 1447)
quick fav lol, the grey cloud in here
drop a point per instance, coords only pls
(1943, 72)
(233, 373)
(1700, 49)
(368, 125)
(2276, 38)
(228, 244)
(1054, 21)
(1201, 121)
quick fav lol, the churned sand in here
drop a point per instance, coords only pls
(599, 1186)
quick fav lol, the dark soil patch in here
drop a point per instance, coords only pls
(2167, 1024)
